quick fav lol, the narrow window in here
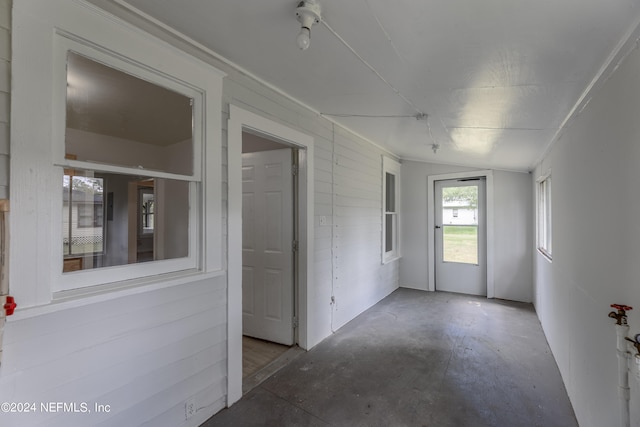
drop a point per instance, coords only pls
(390, 211)
(544, 216)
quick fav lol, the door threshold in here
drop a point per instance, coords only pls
(254, 380)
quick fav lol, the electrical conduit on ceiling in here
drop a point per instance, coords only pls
(420, 115)
(380, 76)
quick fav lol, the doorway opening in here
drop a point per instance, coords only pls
(142, 239)
(242, 122)
(270, 237)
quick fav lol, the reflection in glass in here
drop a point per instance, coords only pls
(83, 214)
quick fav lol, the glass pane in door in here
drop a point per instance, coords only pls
(460, 224)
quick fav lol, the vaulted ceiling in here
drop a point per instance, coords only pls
(496, 78)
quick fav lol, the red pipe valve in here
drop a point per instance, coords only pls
(9, 305)
(621, 315)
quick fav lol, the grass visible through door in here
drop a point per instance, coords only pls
(460, 244)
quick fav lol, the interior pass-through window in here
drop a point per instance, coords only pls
(131, 200)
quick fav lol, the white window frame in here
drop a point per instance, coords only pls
(544, 218)
(390, 166)
(38, 163)
(92, 277)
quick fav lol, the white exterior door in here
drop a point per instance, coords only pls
(460, 246)
(267, 246)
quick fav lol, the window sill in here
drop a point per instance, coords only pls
(65, 300)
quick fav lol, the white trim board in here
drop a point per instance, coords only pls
(242, 120)
(431, 179)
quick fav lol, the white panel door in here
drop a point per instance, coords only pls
(460, 221)
(267, 246)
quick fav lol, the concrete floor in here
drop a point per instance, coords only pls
(418, 359)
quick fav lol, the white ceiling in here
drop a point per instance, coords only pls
(497, 78)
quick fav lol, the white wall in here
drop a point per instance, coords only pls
(514, 236)
(596, 245)
(117, 239)
(5, 94)
(5, 109)
(174, 158)
(142, 348)
(171, 219)
(512, 224)
(146, 350)
(358, 278)
(143, 354)
(334, 146)
(348, 196)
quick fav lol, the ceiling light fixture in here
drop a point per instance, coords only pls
(307, 13)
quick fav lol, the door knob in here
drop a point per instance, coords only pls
(437, 226)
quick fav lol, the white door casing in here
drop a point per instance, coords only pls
(308, 333)
(462, 268)
(431, 179)
(267, 245)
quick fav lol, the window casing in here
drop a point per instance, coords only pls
(45, 34)
(176, 175)
(544, 216)
(390, 209)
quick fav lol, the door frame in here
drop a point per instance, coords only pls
(431, 235)
(242, 120)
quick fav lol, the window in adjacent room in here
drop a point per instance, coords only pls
(82, 215)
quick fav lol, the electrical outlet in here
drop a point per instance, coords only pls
(189, 408)
(323, 220)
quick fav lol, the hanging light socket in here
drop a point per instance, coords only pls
(308, 13)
